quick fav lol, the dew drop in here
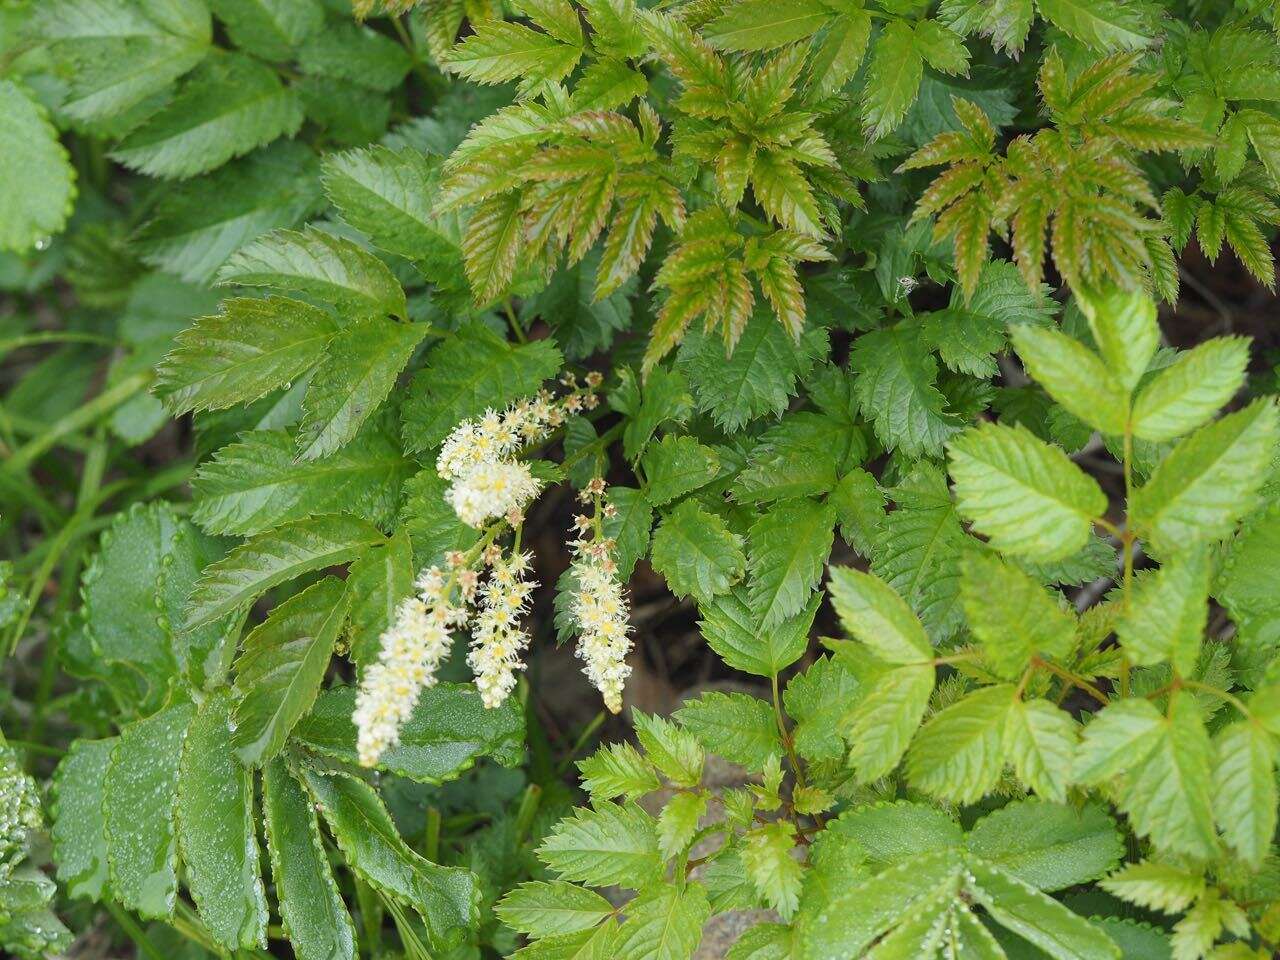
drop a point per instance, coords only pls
(42, 243)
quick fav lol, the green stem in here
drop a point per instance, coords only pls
(78, 419)
(1072, 678)
(1127, 539)
(133, 931)
(515, 323)
(52, 336)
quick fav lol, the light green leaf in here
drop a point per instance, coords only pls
(1074, 376)
(79, 826)
(887, 718)
(271, 29)
(216, 831)
(1125, 328)
(696, 553)
(249, 349)
(279, 671)
(840, 50)
(448, 730)
(1121, 734)
(551, 907)
(610, 844)
(1191, 390)
(676, 752)
(1103, 25)
(359, 369)
(314, 914)
(821, 701)
(1208, 481)
(491, 246)
(664, 923)
(786, 551)
(500, 51)
(874, 614)
(1012, 615)
(1168, 611)
(957, 754)
(276, 557)
(893, 79)
(445, 897)
(468, 373)
(1244, 788)
(37, 182)
(733, 630)
(738, 727)
(764, 25)
(229, 105)
(678, 823)
(1025, 496)
(1040, 740)
(320, 265)
(140, 793)
(1159, 886)
(1051, 846)
(617, 770)
(766, 853)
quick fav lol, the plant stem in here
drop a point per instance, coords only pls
(1126, 540)
(1072, 678)
(133, 930)
(515, 323)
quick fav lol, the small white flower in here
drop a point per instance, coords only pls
(497, 636)
(600, 610)
(492, 490)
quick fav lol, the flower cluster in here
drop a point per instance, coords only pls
(413, 647)
(598, 605)
(497, 635)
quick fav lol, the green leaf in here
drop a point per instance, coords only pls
(1168, 612)
(550, 907)
(733, 630)
(216, 831)
(1208, 481)
(918, 547)
(445, 897)
(874, 614)
(676, 752)
(897, 391)
(271, 29)
(678, 822)
(1188, 392)
(629, 527)
(358, 372)
(1122, 733)
(1051, 846)
(757, 379)
(611, 844)
(281, 666)
(79, 825)
(315, 917)
(197, 224)
(801, 456)
(1074, 376)
(246, 351)
(1244, 788)
(1040, 740)
(1160, 886)
(491, 246)
(887, 718)
(448, 730)
(38, 181)
(957, 754)
(1124, 325)
(467, 374)
(1038, 918)
(1103, 25)
(893, 79)
(390, 196)
(1012, 615)
(840, 50)
(766, 853)
(1025, 496)
(316, 264)
(377, 582)
(228, 106)
(764, 25)
(787, 548)
(256, 483)
(1168, 795)
(138, 801)
(677, 465)
(820, 701)
(696, 553)
(617, 770)
(500, 51)
(277, 557)
(664, 923)
(738, 727)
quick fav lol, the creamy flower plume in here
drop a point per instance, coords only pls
(491, 490)
(498, 637)
(412, 650)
